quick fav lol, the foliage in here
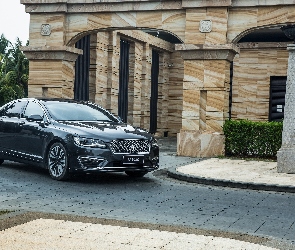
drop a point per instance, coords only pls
(14, 71)
(245, 138)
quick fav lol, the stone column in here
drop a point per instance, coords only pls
(93, 69)
(146, 86)
(113, 72)
(205, 98)
(286, 154)
(102, 81)
(52, 70)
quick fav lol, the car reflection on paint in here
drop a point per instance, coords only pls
(67, 136)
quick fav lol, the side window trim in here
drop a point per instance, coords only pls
(45, 117)
(10, 106)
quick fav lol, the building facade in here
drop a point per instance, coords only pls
(174, 67)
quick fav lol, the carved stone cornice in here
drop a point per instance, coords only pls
(64, 53)
(207, 52)
(264, 45)
(206, 3)
(255, 3)
(88, 6)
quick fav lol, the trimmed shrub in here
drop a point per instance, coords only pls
(245, 138)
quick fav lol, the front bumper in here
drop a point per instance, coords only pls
(103, 160)
(92, 164)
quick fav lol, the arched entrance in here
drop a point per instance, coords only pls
(127, 77)
(261, 93)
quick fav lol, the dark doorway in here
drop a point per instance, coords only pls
(81, 85)
(277, 97)
(230, 89)
(154, 92)
(123, 80)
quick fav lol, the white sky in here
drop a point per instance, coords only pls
(14, 21)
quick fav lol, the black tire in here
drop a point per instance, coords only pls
(1, 161)
(57, 162)
(136, 174)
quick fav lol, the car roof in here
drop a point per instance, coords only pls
(51, 99)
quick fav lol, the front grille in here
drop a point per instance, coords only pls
(130, 146)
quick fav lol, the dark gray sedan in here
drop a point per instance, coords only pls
(67, 136)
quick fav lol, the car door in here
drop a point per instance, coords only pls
(10, 127)
(33, 132)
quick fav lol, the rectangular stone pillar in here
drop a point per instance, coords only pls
(205, 98)
(51, 71)
(113, 72)
(146, 86)
(102, 91)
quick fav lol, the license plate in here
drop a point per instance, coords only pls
(133, 159)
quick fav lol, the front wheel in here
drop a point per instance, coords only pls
(58, 162)
(136, 174)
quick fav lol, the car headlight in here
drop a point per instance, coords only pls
(89, 142)
(154, 142)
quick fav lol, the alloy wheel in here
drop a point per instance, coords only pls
(57, 162)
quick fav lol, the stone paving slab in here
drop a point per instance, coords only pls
(236, 173)
(59, 234)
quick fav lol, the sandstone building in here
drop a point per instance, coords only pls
(175, 67)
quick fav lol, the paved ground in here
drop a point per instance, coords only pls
(60, 234)
(42, 231)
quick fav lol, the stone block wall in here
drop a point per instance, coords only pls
(253, 68)
(205, 94)
(51, 79)
(218, 16)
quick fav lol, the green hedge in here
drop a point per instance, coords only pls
(245, 138)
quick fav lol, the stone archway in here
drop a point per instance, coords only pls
(105, 75)
(263, 52)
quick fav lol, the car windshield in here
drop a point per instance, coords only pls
(68, 111)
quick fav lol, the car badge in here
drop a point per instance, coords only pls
(132, 148)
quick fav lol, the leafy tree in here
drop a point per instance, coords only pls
(14, 71)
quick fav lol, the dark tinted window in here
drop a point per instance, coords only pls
(13, 110)
(67, 111)
(33, 108)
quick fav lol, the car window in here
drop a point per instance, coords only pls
(64, 111)
(33, 108)
(13, 110)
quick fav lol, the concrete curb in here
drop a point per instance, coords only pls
(173, 173)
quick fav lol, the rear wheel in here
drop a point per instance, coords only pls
(136, 174)
(1, 161)
(58, 162)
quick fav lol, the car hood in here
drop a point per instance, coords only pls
(104, 130)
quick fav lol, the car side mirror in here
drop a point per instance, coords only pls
(35, 118)
(119, 119)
